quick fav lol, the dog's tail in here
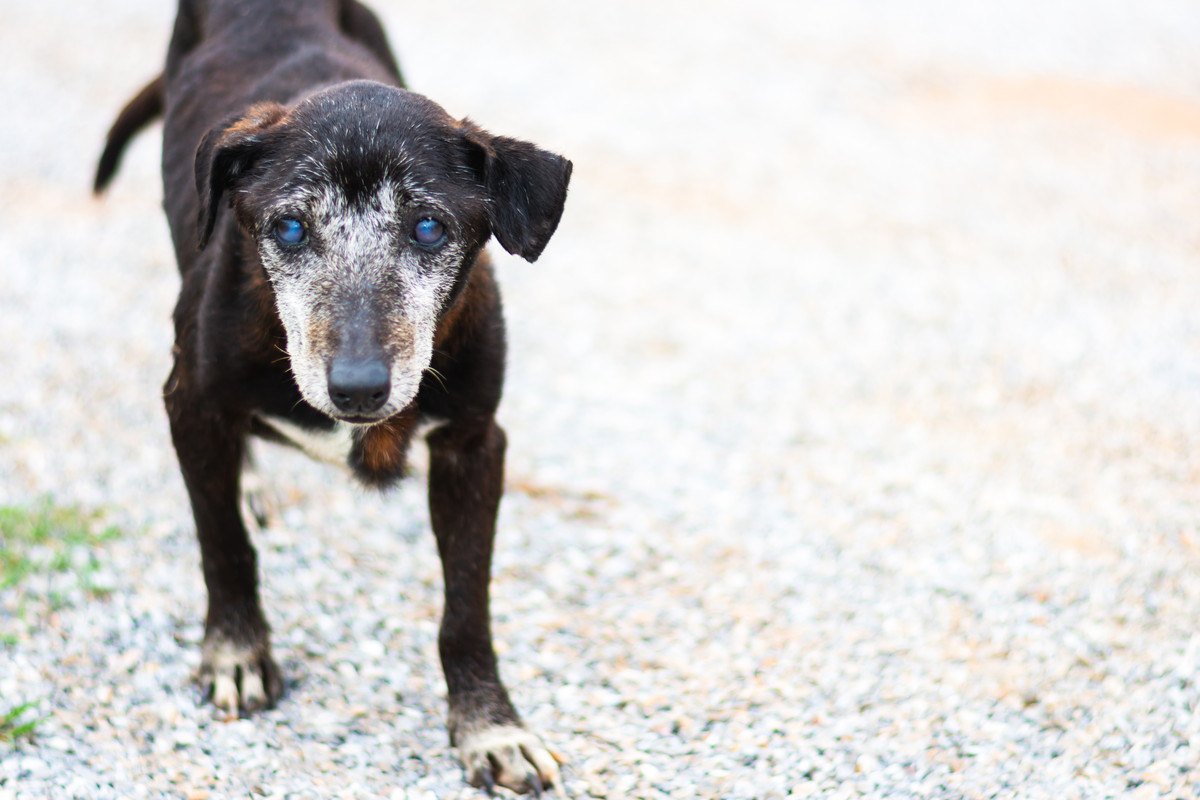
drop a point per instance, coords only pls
(139, 112)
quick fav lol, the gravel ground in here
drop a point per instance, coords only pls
(854, 417)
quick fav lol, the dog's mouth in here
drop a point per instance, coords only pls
(363, 419)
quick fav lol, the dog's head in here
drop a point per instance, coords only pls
(368, 205)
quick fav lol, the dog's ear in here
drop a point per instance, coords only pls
(225, 154)
(526, 189)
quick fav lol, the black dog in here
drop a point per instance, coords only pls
(329, 227)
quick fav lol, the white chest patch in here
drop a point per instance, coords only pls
(332, 446)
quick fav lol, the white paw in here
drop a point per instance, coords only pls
(238, 677)
(510, 756)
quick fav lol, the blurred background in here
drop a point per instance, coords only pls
(854, 418)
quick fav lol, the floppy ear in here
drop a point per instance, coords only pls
(526, 188)
(225, 154)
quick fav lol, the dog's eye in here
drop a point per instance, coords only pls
(429, 232)
(290, 231)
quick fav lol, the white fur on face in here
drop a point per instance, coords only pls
(359, 267)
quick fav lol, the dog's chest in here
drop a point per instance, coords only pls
(332, 445)
(377, 455)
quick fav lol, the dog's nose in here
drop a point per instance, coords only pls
(359, 386)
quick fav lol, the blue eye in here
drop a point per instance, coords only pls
(429, 232)
(290, 232)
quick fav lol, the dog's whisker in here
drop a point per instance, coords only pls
(287, 356)
(439, 376)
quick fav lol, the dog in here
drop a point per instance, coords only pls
(329, 226)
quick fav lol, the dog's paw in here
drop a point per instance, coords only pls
(239, 677)
(509, 756)
(260, 506)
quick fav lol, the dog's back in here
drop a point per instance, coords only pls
(343, 27)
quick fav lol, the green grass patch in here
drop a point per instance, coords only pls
(18, 723)
(48, 557)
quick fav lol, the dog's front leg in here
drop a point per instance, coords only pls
(236, 666)
(466, 477)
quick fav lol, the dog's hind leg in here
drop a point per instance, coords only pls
(236, 665)
(258, 502)
(466, 477)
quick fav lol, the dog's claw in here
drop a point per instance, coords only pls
(256, 504)
(225, 693)
(254, 694)
(509, 756)
(532, 777)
